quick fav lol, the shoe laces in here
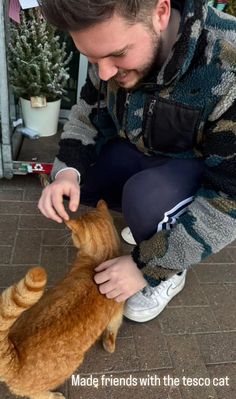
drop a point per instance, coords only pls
(149, 291)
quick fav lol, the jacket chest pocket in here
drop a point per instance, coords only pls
(170, 127)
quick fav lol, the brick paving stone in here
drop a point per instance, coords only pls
(8, 223)
(53, 255)
(18, 208)
(192, 294)
(5, 254)
(218, 347)
(228, 389)
(7, 238)
(11, 274)
(124, 358)
(11, 195)
(32, 195)
(57, 237)
(126, 330)
(187, 320)
(151, 346)
(224, 273)
(188, 363)
(231, 288)
(233, 254)
(38, 222)
(20, 182)
(222, 305)
(54, 260)
(178, 300)
(27, 247)
(218, 294)
(221, 257)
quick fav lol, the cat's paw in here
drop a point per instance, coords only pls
(108, 342)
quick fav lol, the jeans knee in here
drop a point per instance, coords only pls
(132, 202)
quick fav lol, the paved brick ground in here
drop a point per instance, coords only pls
(194, 337)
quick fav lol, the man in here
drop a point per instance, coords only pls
(154, 129)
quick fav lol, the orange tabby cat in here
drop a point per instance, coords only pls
(42, 347)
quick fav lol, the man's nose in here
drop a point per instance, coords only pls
(106, 69)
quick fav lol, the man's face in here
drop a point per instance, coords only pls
(122, 52)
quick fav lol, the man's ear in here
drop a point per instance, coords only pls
(162, 15)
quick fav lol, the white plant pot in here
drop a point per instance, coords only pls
(42, 120)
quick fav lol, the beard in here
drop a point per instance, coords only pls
(155, 58)
(151, 65)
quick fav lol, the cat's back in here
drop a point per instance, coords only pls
(72, 307)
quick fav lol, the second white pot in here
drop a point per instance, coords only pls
(43, 120)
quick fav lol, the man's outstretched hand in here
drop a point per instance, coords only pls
(119, 278)
(51, 200)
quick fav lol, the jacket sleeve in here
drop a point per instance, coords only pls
(210, 222)
(78, 144)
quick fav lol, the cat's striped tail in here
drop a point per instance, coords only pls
(13, 302)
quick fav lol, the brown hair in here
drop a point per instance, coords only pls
(75, 15)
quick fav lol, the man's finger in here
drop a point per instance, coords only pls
(74, 199)
(101, 277)
(113, 294)
(47, 210)
(58, 205)
(121, 298)
(107, 287)
(104, 265)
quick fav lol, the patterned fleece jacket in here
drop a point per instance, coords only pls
(185, 109)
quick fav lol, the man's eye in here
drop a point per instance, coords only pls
(121, 54)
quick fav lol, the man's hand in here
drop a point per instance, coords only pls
(51, 200)
(119, 278)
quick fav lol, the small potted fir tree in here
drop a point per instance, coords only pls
(231, 8)
(38, 71)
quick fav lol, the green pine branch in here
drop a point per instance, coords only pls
(231, 8)
(38, 63)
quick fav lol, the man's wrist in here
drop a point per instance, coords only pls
(71, 171)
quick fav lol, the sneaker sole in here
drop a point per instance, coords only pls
(142, 318)
(129, 240)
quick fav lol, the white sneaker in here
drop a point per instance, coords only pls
(149, 302)
(128, 236)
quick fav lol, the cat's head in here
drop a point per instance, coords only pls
(94, 233)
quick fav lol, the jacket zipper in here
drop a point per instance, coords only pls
(125, 117)
(151, 106)
(148, 124)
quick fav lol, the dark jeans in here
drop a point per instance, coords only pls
(151, 191)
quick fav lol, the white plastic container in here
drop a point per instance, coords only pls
(43, 120)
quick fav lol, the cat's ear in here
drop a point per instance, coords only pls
(71, 224)
(102, 206)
